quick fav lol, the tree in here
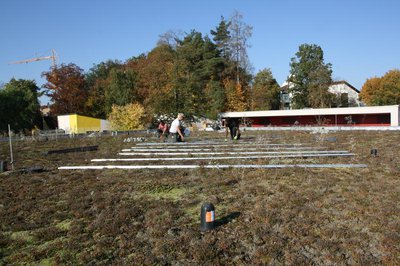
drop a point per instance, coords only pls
(265, 91)
(97, 81)
(319, 96)
(211, 67)
(222, 37)
(215, 98)
(21, 99)
(382, 91)
(154, 73)
(197, 66)
(310, 78)
(127, 117)
(370, 90)
(236, 99)
(231, 39)
(240, 32)
(67, 89)
(187, 87)
(170, 38)
(121, 89)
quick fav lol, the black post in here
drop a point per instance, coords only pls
(207, 217)
(3, 166)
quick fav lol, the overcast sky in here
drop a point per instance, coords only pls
(360, 38)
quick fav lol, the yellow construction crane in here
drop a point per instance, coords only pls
(52, 57)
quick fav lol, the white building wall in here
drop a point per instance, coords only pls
(338, 88)
(344, 88)
(63, 123)
(395, 117)
(105, 125)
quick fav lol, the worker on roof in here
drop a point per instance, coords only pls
(232, 124)
(177, 129)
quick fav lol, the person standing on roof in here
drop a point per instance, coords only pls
(176, 129)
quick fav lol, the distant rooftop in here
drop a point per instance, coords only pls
(286, 85)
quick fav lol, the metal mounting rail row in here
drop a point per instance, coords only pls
(224, 158)
(220, 153)
(196, 144)
(222, 149)
(252, 166)
(216, 146)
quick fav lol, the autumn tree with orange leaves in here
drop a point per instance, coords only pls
(66, 88)
(382, 91)
(154, 78)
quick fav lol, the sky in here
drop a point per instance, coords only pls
(360, 38)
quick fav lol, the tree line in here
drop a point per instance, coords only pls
(194, 74)
(199, 75)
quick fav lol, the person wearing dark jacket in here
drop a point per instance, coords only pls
(233, 125)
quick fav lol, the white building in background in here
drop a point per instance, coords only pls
(347, 91)
(342, 89)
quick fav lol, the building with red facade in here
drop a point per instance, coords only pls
(381, 116)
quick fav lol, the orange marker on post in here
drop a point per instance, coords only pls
(207, 217)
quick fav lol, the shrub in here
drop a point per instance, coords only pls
(127, 117)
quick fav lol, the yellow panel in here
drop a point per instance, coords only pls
(85, 123)
(73, 124)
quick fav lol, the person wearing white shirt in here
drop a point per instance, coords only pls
(175, 129)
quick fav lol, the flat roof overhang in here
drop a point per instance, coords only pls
(370, 110)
